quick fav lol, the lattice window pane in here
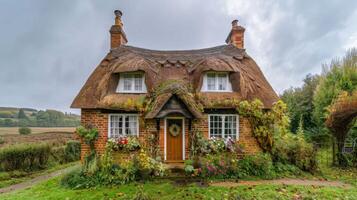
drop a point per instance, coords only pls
(215, 126)
(116, 126)
(222, 81)
(132, 125)
(138, 82)
(211, 81)
(230, 127)
(128, 79)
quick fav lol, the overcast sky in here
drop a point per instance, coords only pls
(49, 48)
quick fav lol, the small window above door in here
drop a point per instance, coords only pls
(131, 83)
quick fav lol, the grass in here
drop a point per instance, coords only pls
(166, 190)
(11, 178)
(36, 130)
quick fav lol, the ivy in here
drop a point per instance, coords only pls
(265, 123)
(89, 136)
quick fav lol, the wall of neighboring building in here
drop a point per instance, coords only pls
(99, 120)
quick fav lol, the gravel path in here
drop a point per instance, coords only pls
(284, 181)
(34, 181)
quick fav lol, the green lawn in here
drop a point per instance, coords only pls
(11, 178)
(166, 190)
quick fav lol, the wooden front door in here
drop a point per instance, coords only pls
(174, 141)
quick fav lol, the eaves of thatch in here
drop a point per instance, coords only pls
(248, 82)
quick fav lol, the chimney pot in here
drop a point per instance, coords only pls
(118, 13)
(235, 23)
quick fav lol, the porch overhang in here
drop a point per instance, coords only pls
(172, 104)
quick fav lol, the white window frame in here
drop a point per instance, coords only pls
(205, 82)
(123, 115)
(223, 129)
(120, 88)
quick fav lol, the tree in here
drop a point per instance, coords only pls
(21, 114)
(338, 80)
(300, 103)
(338, 76)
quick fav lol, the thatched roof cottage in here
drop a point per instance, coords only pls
(142, 92)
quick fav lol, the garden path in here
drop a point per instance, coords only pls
(284, 181)
(36, 180)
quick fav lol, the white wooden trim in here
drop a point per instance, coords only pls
(120, 87)
(183, 136)
(237, 123)
(124, 115)
(204, 84)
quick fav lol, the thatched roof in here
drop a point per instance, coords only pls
(248, 82)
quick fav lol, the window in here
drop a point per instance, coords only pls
(216, 82)
(123, 125)
(223, 126)
(131, 83)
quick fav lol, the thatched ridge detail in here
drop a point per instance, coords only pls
(248, 82)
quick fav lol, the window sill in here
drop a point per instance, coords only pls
(131, 92)
(217, 91)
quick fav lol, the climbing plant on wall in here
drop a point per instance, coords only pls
(265, 122)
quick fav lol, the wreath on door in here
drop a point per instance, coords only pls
(174, 130)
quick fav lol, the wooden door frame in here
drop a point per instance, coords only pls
(183, 136)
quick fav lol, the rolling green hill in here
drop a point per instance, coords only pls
(12, 117)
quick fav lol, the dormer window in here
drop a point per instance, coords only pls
(216, 82)
(131, 83)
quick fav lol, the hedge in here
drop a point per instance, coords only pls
(27, 157)
(68, 153)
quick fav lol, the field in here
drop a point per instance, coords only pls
(57, 136)
(36, 130)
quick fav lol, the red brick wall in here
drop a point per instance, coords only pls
(246, 138)
(99, 120)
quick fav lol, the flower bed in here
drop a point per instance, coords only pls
(124, 161)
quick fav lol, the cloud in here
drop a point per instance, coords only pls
(49, 48)
(293, 38)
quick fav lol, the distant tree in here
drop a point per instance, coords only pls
(24, 130)
(6, 114)
(21, 114)
(42, 118)
(9, 123)
(56, 118)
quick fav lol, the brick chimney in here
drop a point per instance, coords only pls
(117, 34)
(236, 36)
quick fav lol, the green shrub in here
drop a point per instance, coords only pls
(291, 149)
(24, 130)
(27, 157)
(72, 151)
(282, 169)
(67, 153)
(75, 179)
(58, 155)
(344, 160)
(260, 165)
(101, 171)
(2, 141)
